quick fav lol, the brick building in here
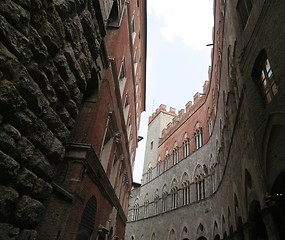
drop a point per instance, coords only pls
(72, 89)
(215, 170)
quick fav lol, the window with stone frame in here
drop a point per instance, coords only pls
(164, 198)
(156, 200)
(166, 162)
(175, 156)
(198, 138)
(200, 188)
(158, 168)
(174, 197)
(185, 193)
(186, 148)
(133, 29)
(136, 210)
(244, 8)
(200, 174)
(210, 126)
(146, 206)
(262, 73)
(149, 173)
(122, 76)
(164, 202)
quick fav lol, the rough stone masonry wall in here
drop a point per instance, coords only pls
(47, 52)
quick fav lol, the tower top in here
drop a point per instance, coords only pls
(162, 109)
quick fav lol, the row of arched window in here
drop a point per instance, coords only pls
(177, 154)
(171, 199)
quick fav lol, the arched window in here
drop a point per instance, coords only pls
(149, 173)
(146, 206)
(200, 181)
(164, 198)
(156, 200)
(244, 8)
(158, 167)
(262, 74)
(185, 193)
(136, 210)
(198, 135)
(174, 194)
(175, 154)
(87, 219)
(166, 161)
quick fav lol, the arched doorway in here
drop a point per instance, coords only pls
(258, 228)
(87, 220)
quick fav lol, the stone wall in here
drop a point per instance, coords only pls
(48, 50)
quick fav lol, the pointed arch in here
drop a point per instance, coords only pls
(200, 232)
(272, 161)
(172, 235)
(216, 230)
(184, 233)
(88, 219)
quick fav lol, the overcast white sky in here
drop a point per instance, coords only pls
(177, 57)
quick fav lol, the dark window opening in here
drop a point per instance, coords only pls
(262, 73)
(244, 8)
(114, 17)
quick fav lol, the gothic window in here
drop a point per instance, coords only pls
(151, 145)
(136, 210)
(122, 76)
(244, 8)
(175, 156)
(149, 174)
(166, 162)
(200, 189)
(174, 194)
(156, 200)
(164, 199)
(164, 203)
(186, 148)
(174, 197)
(146, 206)
(158, 168)
(135, 61)
(263, 75)
(198, 138)
(133, 29)
(200, 173)
(210, 126)
(185, 193)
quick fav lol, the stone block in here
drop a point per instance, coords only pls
(28, 212)
(15, 41)
(8, 232)
(16, 15)
(8, 200)
(8, 167)
(10, 99)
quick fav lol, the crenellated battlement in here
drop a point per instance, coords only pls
(162, 109)
(183, 114)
